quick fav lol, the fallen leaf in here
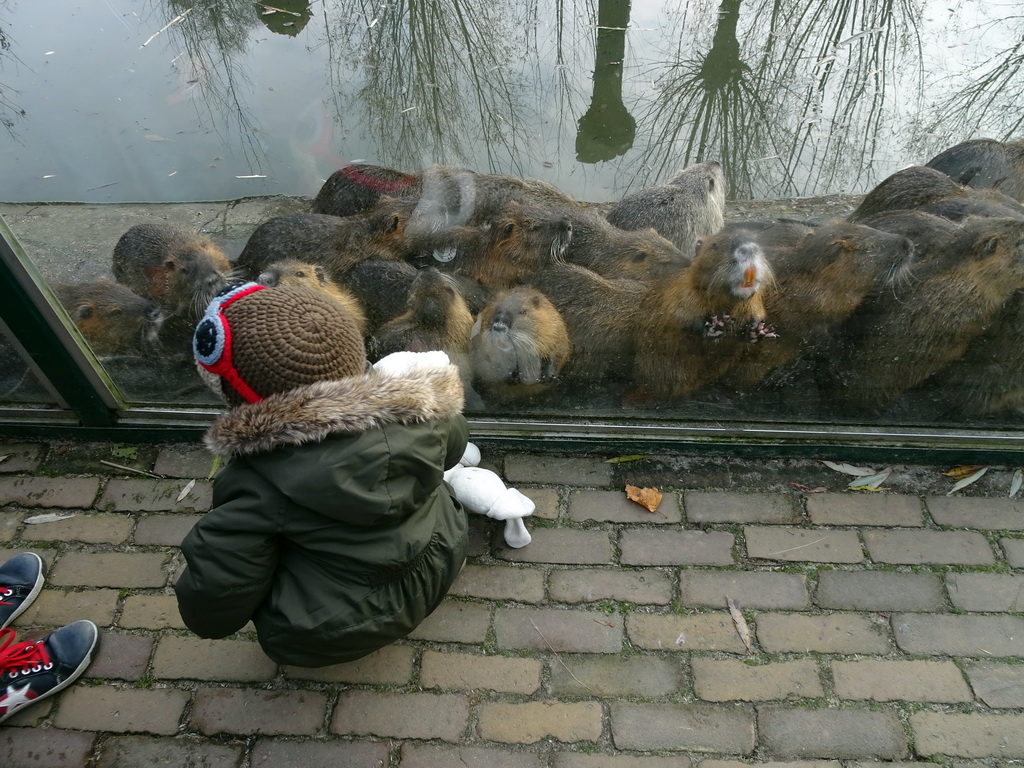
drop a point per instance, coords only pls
(959, 473)
(967, 481)
(5, 457)
(214, 467)
(155, 137)
(184, 491)
(51, 517)
(742, 628)
(649, 498)
(848, 469)
(1015, 483)
(807, 488)
(870, 483)
(622, 459)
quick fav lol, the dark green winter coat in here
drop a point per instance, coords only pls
(331, 527)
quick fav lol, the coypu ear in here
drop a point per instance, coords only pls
(321, 273)
(392, 224)
(991, 245)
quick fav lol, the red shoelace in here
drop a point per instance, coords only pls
(21, 658)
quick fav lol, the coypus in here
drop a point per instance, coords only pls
(641, 254)
(921, 187)
(821, 278)
(687, 207)
(521, 346)
(955, 296)
(465, 197)
(925, 230)
(294, 272)
(335, 243)
(382, 288)
(985, 163)
(112, 318)
(698, 321)
(356, 188)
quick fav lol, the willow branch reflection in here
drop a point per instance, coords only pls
(10, 112)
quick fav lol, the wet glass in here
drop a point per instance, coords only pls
(216, 117)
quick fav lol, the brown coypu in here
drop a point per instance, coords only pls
(921, 187)
(955, 297)
(294, 272)
(521, 346)
(687, 207)
(985, 163)
(640, 254)
(335, 243)
(381, 287)
(698, 321)
(821, 277)
(112, 318)
(358, 187)
(178, 269)
(600, 314)
(925, 230)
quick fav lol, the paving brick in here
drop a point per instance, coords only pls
(986, 591)
(469, 671)
(150, 612)
(727, 507)
(443, 756)
(401, 715)
(34, 716)
(193, 658)
(830, 733)
(1013, 550)
(273, 753)
(833, 633)
(21, 457)
(45, 748)
(753, 589)
(248, 712)
(545, 502)
(660, 547)
(525, 585)
(99, 528)
(391, 665)
(788, 764)
(10, 521)
(972, 636)
(643, 587)
(164, 530)
(531, 721)
(940, 547)
(986, 514)
(968, 735)
(110, 569)
(187, 461)
(691, 727)
(63, 492)
(802, 544)
(584, 760)
(120, 656)
(878, 509)
(880, 591)
(608, 676)
(894, 680)
(56, 607)
(615, 507)
(563, 545)
(120, 710)
(557, 630)
(137, 751)
(692, 632)
(734, 680)
(454, 621)
(998, 685)
(557, 470)
(145, 495)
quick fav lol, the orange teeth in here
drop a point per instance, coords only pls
(749, 276)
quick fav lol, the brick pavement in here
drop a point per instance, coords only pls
(882, 626)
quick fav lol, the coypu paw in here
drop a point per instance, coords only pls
(717, 325)
(760, 330)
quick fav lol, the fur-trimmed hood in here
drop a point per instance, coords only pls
(353, 404)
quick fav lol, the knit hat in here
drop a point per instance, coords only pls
(255, 341)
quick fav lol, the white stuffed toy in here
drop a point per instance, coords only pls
(479, 490)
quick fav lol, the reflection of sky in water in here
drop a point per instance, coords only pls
(108, 120)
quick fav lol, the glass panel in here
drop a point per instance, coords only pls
(842, 314)
(19, 383)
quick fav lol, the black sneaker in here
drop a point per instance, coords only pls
(32, 671)
(21, 578)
